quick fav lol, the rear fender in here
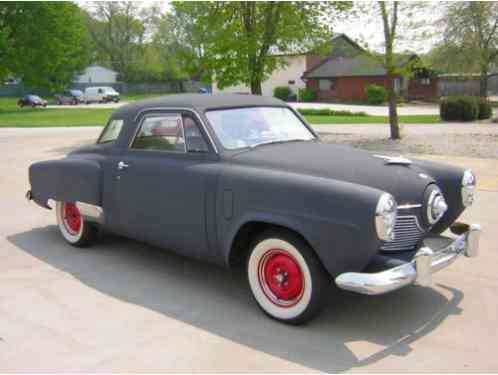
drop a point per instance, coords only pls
(70, 180)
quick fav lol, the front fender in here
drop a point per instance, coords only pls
(334, 217)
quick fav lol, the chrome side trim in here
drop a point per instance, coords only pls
(193, 111)
(91, 212)
(419, 271)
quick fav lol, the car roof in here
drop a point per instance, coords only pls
(199, 102)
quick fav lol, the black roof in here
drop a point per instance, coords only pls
(199, 102)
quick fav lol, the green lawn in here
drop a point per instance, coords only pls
(409, 119)
(12, 116)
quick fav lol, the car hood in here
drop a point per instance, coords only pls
(406, 183)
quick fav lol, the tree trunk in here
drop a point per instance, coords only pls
(256, 85)
(483, 85)
(396, 129)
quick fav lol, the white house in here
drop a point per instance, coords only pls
(97, 74)
(289, 75)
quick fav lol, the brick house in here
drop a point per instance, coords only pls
(349, 69)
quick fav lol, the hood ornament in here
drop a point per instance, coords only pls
(395, 159)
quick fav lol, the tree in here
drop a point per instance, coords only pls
(118, 32)
(236, 40)
(43, 43)
(471, 29)
(389, 14)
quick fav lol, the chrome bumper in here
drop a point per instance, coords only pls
(419, 271)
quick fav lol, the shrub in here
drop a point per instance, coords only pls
(459, 108)
(375, 94)
(485, 109)
(328, 112)
(282, 92)
(306, 95)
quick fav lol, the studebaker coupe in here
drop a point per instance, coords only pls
(240, 179)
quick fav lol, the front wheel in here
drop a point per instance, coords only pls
(286, 278)
(74, 228)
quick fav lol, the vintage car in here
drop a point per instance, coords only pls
(244, 180)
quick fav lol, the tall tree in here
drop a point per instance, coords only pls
(471, 28)
(389, 14)
(44, 43)
(118, 31)
(237, 38)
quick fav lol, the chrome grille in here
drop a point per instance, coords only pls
(407, 233)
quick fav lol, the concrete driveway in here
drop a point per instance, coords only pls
(124, 306)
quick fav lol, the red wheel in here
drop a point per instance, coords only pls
(72, 218)
(285, 277)
(74, 228)
(281, 278)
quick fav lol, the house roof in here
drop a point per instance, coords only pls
(348, 59)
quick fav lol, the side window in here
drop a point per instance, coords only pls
(100, 91)
(193, 135)
(161, 133)
(111, 131)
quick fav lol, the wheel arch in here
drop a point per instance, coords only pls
(240, 240)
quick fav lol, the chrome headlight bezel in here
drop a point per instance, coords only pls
(385, 217)
(468, 188)
(436, 206)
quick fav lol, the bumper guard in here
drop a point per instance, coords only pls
(419, 271)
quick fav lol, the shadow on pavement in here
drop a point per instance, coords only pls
(218, 301)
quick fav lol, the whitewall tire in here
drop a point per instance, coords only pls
(73, 227)
(285, 276)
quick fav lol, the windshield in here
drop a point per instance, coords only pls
(76, 92)
(249, 127)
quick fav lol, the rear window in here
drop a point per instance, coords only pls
(111, 131)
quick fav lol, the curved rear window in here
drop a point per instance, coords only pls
(111, 131)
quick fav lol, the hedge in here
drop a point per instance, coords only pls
(485, 109)
(282, 92)
(306, 95)
(375, 94)
(459, 108)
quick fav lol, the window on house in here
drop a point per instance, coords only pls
(326, 84)
(425, 81)
(291, 82)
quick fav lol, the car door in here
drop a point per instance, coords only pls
(162, 183)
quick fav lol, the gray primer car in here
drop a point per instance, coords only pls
(239, 178)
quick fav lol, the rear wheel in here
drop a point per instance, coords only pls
(74, 228)
(286, 278)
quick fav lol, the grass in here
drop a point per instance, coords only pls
(135, 97)
(12, 116)
(407, 119)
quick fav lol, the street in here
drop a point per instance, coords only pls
(125, 306)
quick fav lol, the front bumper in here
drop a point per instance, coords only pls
(417, 271)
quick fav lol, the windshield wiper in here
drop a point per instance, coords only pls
(278, 141)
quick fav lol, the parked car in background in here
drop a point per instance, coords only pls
(101, 95)
(244, 180)
(69, 97)
(31, 101)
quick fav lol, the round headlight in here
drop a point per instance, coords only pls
(385, 217)
(468, 188)
(436, 205)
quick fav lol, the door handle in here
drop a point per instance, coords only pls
(122, 165)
